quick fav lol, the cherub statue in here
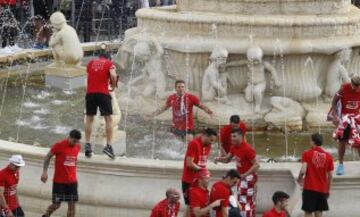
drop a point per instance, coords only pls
(214, 83)
(337, 73)
(254, 91)
(152, 74)
(64, 41)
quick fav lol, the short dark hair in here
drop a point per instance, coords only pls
(105, 55)
(75, 134)
(317, 139)
(179, 82)
(209, 132)
(235, 119)
(279, 196)
(238, 131)
(232, 174)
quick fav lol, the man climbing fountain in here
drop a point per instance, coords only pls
(101, 72)
(182, 104)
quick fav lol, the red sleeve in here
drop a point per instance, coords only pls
(341, 90)
(304, 158)
(222, 134)
(195, 100)
(266, 215)
(55, 149)
(154, 212)
(243, 128)
(251, 154)
(191, 152)
(169, 101)
(2, 180)
(194, 199)
(88, 66)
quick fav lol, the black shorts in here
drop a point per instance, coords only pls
(181, 133)
(314, 201)
(95, 100)
(64, 193)
(185, 190)
(346, 135)
(18, 212)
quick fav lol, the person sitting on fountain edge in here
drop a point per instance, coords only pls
(182, 104)
(346, 101)
(100, 72)
(168, 207)
(225, 133)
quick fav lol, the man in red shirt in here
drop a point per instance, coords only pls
(222, 190)
(182, 104)
(348, 97)
(317, 167)
(65, 187)
(225, 133)
(9, 179)
(199, 198)
(169, 207)
(100, 73)
(247, 166)
(196, 158)
(280, 200)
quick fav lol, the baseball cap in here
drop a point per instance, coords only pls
(17, 160)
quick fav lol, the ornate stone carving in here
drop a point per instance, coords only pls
(64, 42)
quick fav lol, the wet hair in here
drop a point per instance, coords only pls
(75, 134)
(179, 82)
(232, 174)
(105, 55)
(355, 80)
(317, 139)
(235, 119)
(238, 131)
(209, 132)
(279, 196)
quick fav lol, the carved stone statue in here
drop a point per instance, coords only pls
(256, 77)
(64, 42)
(214, 83)
(152, 76)
(337, 72)
(285, 111)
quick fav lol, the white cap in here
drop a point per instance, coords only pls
(17, 160)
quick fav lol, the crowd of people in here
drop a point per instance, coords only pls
(233, 195)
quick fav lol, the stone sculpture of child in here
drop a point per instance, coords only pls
(337, 73)
(65, 43)
(152, 75)
(214, 83)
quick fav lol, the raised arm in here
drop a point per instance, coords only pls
(113, 77)
(205, 108)
(237, 63)
(273, 72)
(44, 176)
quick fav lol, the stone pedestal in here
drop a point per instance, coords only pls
(65, 77)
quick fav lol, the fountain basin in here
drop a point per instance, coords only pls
(130, 187)
(254, 7)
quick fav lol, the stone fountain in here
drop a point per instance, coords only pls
(304, 45)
